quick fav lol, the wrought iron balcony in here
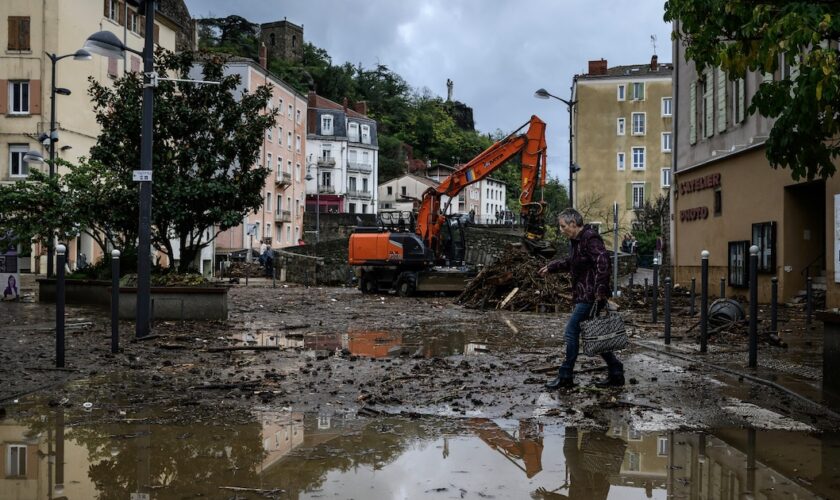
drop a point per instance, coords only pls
(326, 162)
(326, 189)
(283, 216)
(283, 179)
(363, 168)
(353, 193)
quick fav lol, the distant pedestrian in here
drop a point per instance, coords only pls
(589, 266)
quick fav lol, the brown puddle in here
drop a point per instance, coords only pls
(55, 452)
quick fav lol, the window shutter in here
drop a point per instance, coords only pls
(721, 99)
(141, 26)
(13, 33)
(708, 104)
(34, 97)
(105, 11)
(742, 101)
(157, 35)
(629, 191)
(646, 193)
(24, 34)
(112, 66)
(121, 13)
(4, 97)
(692, 113)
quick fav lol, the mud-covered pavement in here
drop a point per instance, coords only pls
(383, 382)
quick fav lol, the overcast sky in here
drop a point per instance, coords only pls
(497, 52)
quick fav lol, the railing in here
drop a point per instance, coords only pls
(326, 189)
(283, 216)
(806, 271)
(326, 162)
(358, 194)
(283, 179)
(359, 167)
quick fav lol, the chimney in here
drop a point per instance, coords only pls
(598, 67)
(654, 65)
(361, 107)
(263, 56)
(310, 99)
(344, 103)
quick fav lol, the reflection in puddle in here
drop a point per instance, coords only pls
(292, 455)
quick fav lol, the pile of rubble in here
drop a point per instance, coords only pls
(242, 269)
(512, 283)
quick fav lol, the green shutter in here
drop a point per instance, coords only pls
(708, 103)
(742, 101)
(647, 191)
(721, 99)
(692, 113)
(629, 191)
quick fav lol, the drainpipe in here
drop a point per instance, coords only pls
(672, 224)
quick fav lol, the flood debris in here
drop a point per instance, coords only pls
(512, 283)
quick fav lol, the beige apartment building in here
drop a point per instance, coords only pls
(727, 197)
(29, 29)
(622, 138)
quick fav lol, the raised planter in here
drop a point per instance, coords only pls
(168, 303)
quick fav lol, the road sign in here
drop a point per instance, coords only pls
(141, 175)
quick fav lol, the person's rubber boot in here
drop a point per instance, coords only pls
(612, 380)
(561, 382)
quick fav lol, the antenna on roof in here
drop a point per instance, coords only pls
(653, 42)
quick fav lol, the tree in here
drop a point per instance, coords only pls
(34, 205)
(755, 35)
(207, 139)
(231, 34)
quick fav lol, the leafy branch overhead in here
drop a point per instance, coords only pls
(762, 36)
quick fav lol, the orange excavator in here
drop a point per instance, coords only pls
(427, 252)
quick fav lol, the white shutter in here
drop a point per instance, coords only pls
(721, 99)
(692, 113)
(708, 104)
(741, 104)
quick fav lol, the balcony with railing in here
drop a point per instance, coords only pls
(326, 189)
(363, 168)
(354, 193)
(326, 162)
(283, 179)
(283, 216)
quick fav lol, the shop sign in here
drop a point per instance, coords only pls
(696, 213)
(710, 181)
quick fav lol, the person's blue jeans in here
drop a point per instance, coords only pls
(572, 337)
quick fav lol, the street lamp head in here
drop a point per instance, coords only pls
(33, 156)
(82, 55)
(62, 91)
(105, 44)
(308, 176)
(542, 94)
(574, 168)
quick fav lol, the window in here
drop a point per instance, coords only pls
(639, 91)
(390, 190)
(366, 134)
(638, 195)
(326, 125)
(634, 461)
(326, 179)
(619, 161)
(764, 237)
(620, 92)
(268, 202)
(366, 157)
(268, 134)
(289, 114)
(288, 233)
(280, 104)
(297, 171)
(289, 140)
(268, 230)
(15, 460)
(18, 167)
(352, 209)
(268, 162)
(403, 191)
(132, 21)
(365, 185)
(19, 98)
(353, 132)
(297, 116)
(662, 446)
(111, 11)
(279, 203)
(364, 208)
(326, 151)
(666, 106)
(738, 270)
(638, 158)
(297, 143)
(351, 184)
(19, 33)
(638, 123)
(619, 126)
(666, 177)
(718, 202)
(666, 142)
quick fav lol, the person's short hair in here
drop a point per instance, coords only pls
(571, 215)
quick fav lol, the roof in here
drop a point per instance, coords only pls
(324, 103)
(423, 180)
(632, 70)
(230, 59)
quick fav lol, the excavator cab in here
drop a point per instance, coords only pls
(534, 237)
(453, 241)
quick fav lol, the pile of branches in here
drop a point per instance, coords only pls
(512, 283)
(242, 269)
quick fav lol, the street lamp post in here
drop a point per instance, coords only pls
(543, 94)
(107, 44)
(317, 199)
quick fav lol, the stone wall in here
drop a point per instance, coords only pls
(334, 226)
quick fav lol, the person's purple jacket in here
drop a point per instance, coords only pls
(589, 266)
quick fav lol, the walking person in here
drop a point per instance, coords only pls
(588, 264)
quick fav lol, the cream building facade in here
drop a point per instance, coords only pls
(29, 29)
(622, 138)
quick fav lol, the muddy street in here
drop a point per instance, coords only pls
(309, 392)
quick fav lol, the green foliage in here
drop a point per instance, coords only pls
(230, 35)
(206, 144)
(32, 206)
(753, 35)
(648, 224)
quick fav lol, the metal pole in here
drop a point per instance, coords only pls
(53, 59)
(774, 304)
(704, 300)
(61, 252)
(318, 203)
(615, 249)
(809, 300)
(654, 313)
(753, 343)
(115, 301)
(751, 445)
(723, 288)
(667, 311)
(144, 260)
(693, 294)
(59, 453)
(631, 279)
(571, 157)
(646, 290)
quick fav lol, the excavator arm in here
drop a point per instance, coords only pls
(532, 147)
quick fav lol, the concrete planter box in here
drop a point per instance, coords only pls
(168, 303)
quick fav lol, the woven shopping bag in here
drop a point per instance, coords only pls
(603, 333)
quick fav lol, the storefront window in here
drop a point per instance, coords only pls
(764, 236)
(738, 268)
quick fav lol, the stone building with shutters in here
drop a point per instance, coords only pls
(726, 197)
(622, 139)
(29, 29)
